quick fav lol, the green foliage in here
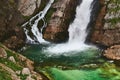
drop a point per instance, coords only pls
(110, 71)
(4, 75)
(23, 77)
(13, 66)
(113, 9)
(113, 21)
(49, 14)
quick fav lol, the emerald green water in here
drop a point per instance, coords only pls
(76, 74)
(36, 53)
(82, 65)
(105, 72)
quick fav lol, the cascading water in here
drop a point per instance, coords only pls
(37, 35)
(77, 30)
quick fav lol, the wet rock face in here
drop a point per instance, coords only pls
(107, 26)
(113, 52)
(57, 29)
(27, 7)
(10, 19)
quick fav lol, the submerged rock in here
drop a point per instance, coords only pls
(113, 52)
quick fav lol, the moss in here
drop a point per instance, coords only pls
(23, 77)
(113, 9)
(115, 1)
(13, 66)
(111, 71)
(113, 21)
(49, 14)
(15, 55)
(4, 75)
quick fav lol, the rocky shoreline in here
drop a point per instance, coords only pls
(17, 67)
(106, 29)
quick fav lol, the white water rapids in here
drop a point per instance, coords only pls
(77, 31)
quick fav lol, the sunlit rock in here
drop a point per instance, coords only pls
(26, 71)
(113, 52)
(11, 58)
(3, 53)
(27, 7)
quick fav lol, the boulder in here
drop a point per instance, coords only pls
(18, 72)
(113, 52)
(107, 29)
(3, 53)
(11, 58)
(26, 71)
(27, 7)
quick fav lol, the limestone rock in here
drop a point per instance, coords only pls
(3, 53)
(11, 58)
(107, 28)
(57, 29)
(26, 71)
(28, 63)
(18, 72)
(29, 78)
(113, 52)
(27, 7)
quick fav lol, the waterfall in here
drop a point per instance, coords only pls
(37, 35)
(77, 31)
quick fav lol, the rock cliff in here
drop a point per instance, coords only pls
(12, 14)
(107, 26)
(57, 29)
